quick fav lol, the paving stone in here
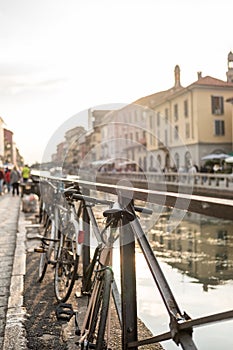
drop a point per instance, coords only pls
(8, 233)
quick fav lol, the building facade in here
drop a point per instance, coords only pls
(165, 131)
(187, 123)
(9, 153)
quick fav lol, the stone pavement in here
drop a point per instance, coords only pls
(14, 247)
(12, 271)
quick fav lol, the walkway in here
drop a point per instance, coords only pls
(12, 269)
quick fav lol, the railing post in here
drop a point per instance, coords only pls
(86, 228)
(128, 284)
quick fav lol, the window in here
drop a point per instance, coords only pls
(152, 139)
(151, 121)
(176, 112)
(187, 130)
(177, 160)
(158, 119)
(166, 115)
(165, 138)
(217, 105)
(176, 132)
(159, 159)
(219, 127)
(186, 112)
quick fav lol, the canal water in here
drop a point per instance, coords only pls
(196, 257)
(195, 253)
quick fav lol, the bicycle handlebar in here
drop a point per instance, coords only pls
(91, 199)
(94, 200)
(143, 210)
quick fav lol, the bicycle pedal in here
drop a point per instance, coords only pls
(64, 312)
(39, 250)
(52, 262)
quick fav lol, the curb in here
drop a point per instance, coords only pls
(15, 334)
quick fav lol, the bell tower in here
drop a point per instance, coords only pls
(177, 76)
(230, 68)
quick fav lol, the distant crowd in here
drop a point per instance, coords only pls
(10, 179)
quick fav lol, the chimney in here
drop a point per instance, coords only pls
(177, 76)
(199, 75)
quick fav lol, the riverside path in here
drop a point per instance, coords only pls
(12, 269)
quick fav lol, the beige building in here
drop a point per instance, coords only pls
(71, 153)
(166, 130)
(9, 153)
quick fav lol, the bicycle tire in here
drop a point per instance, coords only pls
(88, 275)
(67, 262)
(46, 246)
(96, 323)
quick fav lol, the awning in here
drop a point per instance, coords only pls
(98, 163)
(127, 163)
(229, 160)
(213, 156)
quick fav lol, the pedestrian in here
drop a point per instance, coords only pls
(7, 179)
(1, 181)
(25, 173)
(15, 178)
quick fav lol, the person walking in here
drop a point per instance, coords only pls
(15, 178)
(7, 179)
(1, 181)
(25, 173)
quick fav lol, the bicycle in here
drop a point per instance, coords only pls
(48, 218)
(70, 246)
(98, 282)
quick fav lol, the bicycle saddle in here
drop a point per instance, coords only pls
(117, 211)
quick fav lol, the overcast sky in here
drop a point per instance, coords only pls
(60, 57)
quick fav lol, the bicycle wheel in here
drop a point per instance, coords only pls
(46, 247)
(97, 319)
(66, 264)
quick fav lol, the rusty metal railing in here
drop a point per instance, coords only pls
(181, 325)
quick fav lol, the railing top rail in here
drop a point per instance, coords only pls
(206, 205)
(184, 196)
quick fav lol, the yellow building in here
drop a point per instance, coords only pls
(187, 123)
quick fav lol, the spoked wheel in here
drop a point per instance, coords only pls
(46, 248)
(98, 313)
(66, 266)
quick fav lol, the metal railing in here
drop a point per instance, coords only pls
(181, 324)
(197, 179)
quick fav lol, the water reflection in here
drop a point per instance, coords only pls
(196, 257)
(199, 246)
